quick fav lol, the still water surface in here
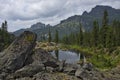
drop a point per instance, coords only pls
(69, 56)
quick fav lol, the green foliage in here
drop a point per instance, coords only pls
(103, 30)
(105, 19)
(5, 37)
(101, 61)
(106, 36)
(65, 40)
(101, 43)
(56, 37)
(81, 36)
(109, 38)
(95, 33)
(97, 56)
(49, 36)
(105, 61)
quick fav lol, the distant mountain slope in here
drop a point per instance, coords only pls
(72, 23)
(35, 27)
(86, 19)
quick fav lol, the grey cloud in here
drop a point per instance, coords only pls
(23, 13)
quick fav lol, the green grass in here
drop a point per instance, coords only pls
(87, 51)
(101, 58)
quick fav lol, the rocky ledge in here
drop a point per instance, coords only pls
(21, 61)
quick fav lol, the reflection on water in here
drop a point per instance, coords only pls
(57, 54)
(69, 56)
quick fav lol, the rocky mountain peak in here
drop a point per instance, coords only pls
(38, 25)
(85, 13)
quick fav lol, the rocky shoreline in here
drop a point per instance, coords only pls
(21, 61)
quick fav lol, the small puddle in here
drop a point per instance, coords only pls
(69, 56)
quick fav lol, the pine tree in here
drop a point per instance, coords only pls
(105, 19)
(116, 32)
(5, 25)
(109, 38)
(56, 37)
(2, 33)
(95, 33)
(81, 35)
(87, 39)
(65, 39)
(5, 37)
(103, 30)
(49, 36)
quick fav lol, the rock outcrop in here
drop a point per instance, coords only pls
(21, 61)
(14, 57)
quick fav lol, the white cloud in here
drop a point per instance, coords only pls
(23, 13)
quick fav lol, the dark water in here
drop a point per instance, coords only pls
(69, 56)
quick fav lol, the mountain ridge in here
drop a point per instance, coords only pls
(72, 23)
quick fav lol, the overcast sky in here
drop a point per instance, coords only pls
(24, 13)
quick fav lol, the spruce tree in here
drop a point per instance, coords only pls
(105, 19)
(65, 39)
(56, 36)
(81, 35)
(109, 38)
(95, 33)
(5, 25)
(2, 33)
(49, 36)
(104, 28)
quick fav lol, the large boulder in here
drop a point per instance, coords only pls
(70, 68)
(87, 72)
(27, 71)
(14, 57)
(35, 63)
(41, 56)
(21, 59)
(53, 76)
(88, 66)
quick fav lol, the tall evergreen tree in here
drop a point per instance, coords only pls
(2, 32)
(5, 25)
(103, 30)
(116, 32)
(95, 33)
(5, 37)
(65, 39)
(81, 35)
(49, 36)
(105, 19)
(56, 36)
(109, 38)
